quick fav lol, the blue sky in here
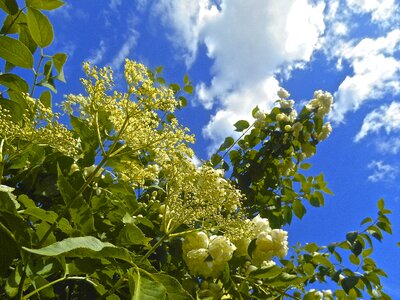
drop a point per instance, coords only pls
(238, 53)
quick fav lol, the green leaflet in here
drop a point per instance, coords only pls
(144, 288)
(87, 246)
(40, 27)
(78, 208)
(15, 52)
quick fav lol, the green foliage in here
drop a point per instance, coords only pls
(76, 223)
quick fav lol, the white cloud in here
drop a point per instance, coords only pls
(376, 72)
(382, 171)
(235, 108)
(186, 18)
(380, 10)
(390, 145)
(248, 42)
(386, 117)
(98, 54)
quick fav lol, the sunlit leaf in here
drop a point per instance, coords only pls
(14, 82)
(44, 4)
(15, 52)
(40, 27)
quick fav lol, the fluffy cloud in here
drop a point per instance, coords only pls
(186, 19)
(382, 171)
(380, 10)
(386, 117)
(376, 72)
(248, 42)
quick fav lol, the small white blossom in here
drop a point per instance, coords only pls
(325, 132)
(283, 94)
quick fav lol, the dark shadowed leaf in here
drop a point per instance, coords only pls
(9, 6)
(79, 210)
(349, 282)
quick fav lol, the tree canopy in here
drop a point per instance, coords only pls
(112, 205)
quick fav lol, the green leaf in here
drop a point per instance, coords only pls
(381, 204)
(132, 235)
(145, 288)
(356, 248)
(308, 268)
(385, 227)
(40, 27)
(351, 236)
(241, 125)
(78, 208)
(12, 23)
(188, 89)
(70, 244)
(298, 209)
(14, 82)
(87, 246)
(366, 220)
(9, 6)
(226, 144)
(186, 79)
(15, 109)
(305, 166)
(354, 259)
(349, 282)
(26, 38)
(159, 69)
(215, 159)
(322, 260)
(9, 250)
(15, 52)
(44, 4)
(175, 291)
(175, 87)
(269, 272)
(160, 80)
(48, 216)
(45, 98)
(311, 248)
(254, 111)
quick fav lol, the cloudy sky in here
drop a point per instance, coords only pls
(239, 53)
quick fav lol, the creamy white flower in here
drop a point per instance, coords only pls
(242, 246)
(321, 104)
(285, 104)
(221, 249)
(195, 240)
(260, 225)
(283, 94)
(325, 132)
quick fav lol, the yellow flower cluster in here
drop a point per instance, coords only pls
(200, 194)
(135, 119)
(38, 125)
